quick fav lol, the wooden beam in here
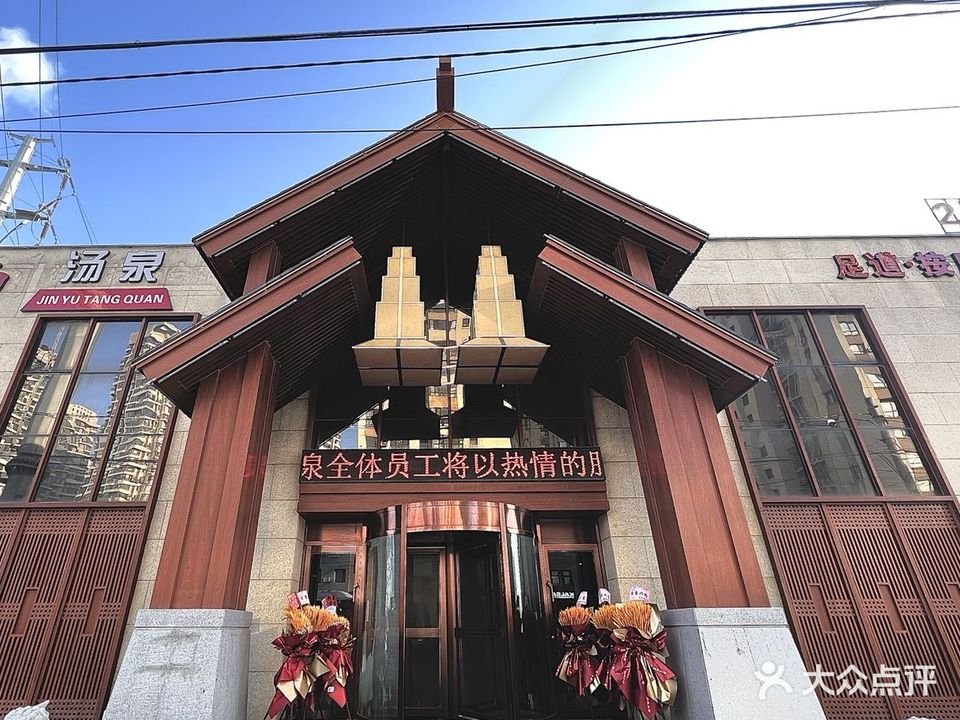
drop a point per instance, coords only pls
(631, 258)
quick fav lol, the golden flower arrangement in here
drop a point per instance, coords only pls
(311, 618)
(604, 617)
(634, 614)
(573, 616)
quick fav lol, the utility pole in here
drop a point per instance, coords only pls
(16, 169)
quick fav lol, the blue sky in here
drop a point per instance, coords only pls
(836, 176)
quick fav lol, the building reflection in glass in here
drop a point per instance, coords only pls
(111, 418)
(824, 414)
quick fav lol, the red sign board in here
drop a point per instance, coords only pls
(83, 300)
(433, 464)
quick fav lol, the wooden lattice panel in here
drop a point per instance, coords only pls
(823, 610)
(64, 590)
(870, 584)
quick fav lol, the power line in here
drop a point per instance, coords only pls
(474, 27)
(544, 126)
(676, 40)
(468, 54)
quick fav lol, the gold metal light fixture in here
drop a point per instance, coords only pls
(399, 354)
(498, 351)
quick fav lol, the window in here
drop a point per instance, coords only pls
(827, 421)
(82, 425)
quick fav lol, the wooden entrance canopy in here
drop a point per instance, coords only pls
(445, 186)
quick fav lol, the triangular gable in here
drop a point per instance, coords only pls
(227, 246)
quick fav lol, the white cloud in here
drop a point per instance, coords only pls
(29, 67)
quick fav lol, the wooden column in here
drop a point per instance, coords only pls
(704, 548)
(208, 548)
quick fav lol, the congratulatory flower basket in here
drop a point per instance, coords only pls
(622, 648)
(316, 645)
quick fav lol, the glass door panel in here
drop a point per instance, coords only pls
(379, 645)
(425, 637)
(530, 634)
(332, 573)
(480, 633)
(572, 572)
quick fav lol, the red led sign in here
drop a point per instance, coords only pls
(432, 464)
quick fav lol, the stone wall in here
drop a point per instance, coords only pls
(278, 553)
(626, 540)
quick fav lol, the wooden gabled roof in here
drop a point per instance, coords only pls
(590, 313)
(445, 186)
(309, 315)
(447, 183)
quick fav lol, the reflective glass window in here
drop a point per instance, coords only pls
(82, 418)
(856, 435)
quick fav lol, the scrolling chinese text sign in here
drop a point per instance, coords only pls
(429, 464)
(87, 299)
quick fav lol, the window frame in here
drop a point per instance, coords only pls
(13, 388)
(942, 488)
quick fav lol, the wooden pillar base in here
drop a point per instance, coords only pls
(704, 548)
(208, 549)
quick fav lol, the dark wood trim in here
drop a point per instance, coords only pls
(402, 610)
(651, 303)
(45, 645)
(704, 549)
(913, 564)
(370, 497)
(631, 258)
(508, 602)
(222, 245)
(178, 366)
(205, 561)
(264, 263)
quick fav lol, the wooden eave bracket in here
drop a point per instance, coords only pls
(699, 334)
(165, 364)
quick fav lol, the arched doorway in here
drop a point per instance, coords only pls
(453, 622)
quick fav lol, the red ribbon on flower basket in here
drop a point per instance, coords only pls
(333, 664)
(294, 678)
(580, 661)
(636, 664)
(316, 645)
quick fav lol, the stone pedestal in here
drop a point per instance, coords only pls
(718, 653)
(184, 664)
